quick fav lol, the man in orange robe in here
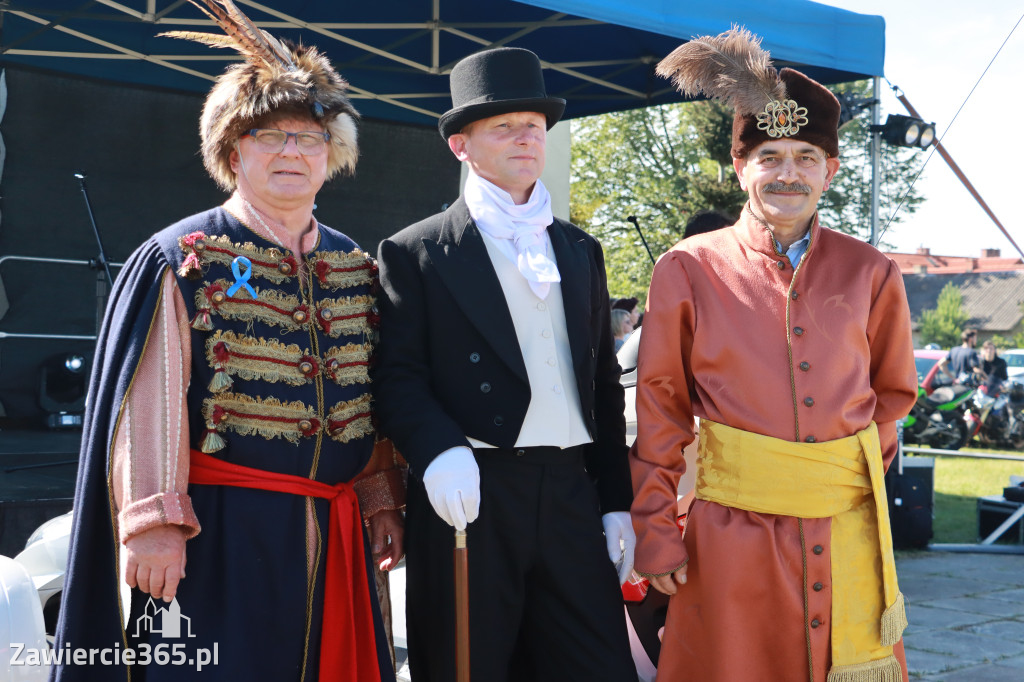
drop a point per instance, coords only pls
(791, 342)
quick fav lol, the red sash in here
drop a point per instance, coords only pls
(348, 649)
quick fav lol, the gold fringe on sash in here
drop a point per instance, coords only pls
(883, 670)
(894, 622)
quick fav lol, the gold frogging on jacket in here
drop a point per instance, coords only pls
(842, 480)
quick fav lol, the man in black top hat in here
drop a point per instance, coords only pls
(497, 379)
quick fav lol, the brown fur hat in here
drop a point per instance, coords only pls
(278, 79)
(822, 118)
(733, 68)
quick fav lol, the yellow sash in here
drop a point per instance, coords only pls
(842, 480)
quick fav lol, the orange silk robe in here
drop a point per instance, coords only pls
(734, 335)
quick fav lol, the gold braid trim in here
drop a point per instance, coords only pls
(267, 417)
(349, 364)
(264, 359)
(270, 307)
(351, 419)
(337, 269)
(271, 264)
(348, 315)
(883, 670)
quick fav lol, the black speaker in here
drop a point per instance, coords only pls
(911, 502)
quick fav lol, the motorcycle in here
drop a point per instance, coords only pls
(937, 417)
(998, 420)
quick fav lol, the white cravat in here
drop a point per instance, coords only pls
(518, 228)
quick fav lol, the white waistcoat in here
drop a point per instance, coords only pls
(554, 416)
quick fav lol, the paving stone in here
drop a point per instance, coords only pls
(1012, 630)
(922, 618)
(933, 586)
(982, 604)
(923, 663)
(980, 673)
(968, 647)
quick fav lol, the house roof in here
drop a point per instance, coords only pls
(924, 262)
(992, 299)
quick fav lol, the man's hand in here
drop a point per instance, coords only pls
(452, 481)
(621, 542)
(384, 526)
(156, 561)
(666, 584)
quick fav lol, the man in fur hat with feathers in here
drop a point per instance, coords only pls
(785, 571)
(229, 412)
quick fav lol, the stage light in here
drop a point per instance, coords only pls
(62, 389)
(907, 131)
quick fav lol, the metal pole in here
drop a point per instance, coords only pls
(876, 155)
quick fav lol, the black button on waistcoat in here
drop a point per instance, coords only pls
(809, 402)
(818, 587)
(485, 387)
(474, 357)
(804, 366)
(799, 331)
(818, 549)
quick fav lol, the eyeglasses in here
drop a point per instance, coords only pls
(273, 141)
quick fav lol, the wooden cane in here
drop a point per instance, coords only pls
(461, 608)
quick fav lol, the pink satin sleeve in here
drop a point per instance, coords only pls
(150, 457)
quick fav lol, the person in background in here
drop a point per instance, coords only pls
(706, 221)
(961, 362)
(631, 307)
(992, 370)
(622, 327)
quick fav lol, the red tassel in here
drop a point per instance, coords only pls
(191, 238)
(221, 353)
(323, 268)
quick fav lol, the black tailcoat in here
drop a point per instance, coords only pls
(544, 603)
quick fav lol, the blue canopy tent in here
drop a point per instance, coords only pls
(598, 54)
(88, 86)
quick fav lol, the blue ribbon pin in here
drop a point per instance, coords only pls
(241, 279)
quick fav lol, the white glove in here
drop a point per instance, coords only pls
(618, 533)
(452, 481)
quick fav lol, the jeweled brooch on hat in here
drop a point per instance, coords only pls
(782, 119)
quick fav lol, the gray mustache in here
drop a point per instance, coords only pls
(786, 187)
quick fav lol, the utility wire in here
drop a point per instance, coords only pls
(897, 91)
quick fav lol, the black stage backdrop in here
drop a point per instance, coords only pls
(139, 149)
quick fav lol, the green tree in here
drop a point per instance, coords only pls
(944, 323)
(663, 164)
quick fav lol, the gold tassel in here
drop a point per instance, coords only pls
(894, 622)
(212, 442)
(201, 322)
(220, 382)
(883, 670)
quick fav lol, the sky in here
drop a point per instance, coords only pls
(935, 51)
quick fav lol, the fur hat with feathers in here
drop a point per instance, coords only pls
(733, 68)
(277, 78)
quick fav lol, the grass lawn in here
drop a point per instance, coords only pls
(959, 482)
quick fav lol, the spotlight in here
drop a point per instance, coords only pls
(62, 389)
(907, 131)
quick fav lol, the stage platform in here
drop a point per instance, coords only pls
(37, 481)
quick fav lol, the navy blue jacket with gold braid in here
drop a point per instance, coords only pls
(278, 382)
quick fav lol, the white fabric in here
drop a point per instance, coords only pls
(521, 228)
(452, 481)
(554, 416)
(621, 541)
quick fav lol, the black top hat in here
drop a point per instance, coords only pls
(495, 82)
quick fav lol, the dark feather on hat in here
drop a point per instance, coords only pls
(730, 67)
